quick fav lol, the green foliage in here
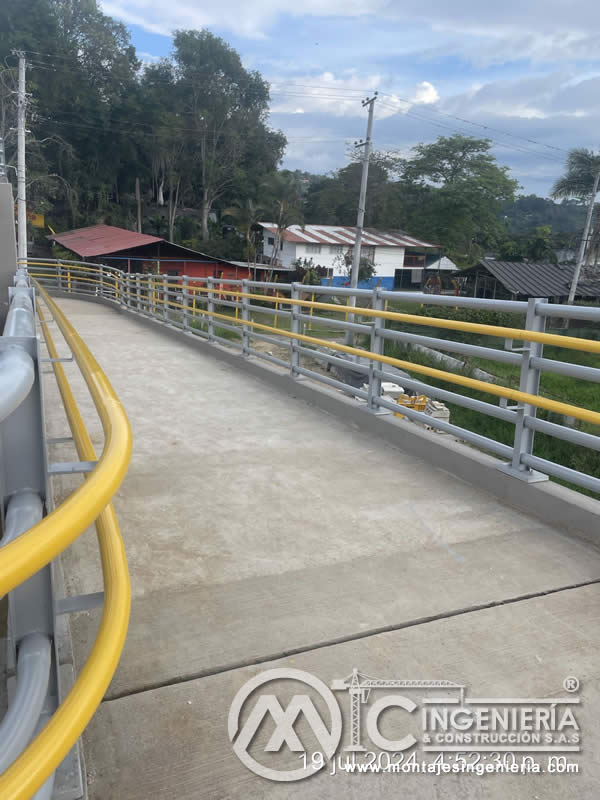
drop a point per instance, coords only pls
(538, 247)
(478, 316)
(582, 168)
(193, 128)
(450, 191)
(529, 212)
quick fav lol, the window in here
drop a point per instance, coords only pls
(281, 244)
(271, 240)
(337, 249)
(313, 248)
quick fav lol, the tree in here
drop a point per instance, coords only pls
(227, 104)
(582, 179)
(454, 191)
(247, 215)
(284, 203)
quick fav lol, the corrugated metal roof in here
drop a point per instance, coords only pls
(100, 240)
(537, 280)
(345, 235)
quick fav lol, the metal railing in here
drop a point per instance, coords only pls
(33, 743)
(217, 309)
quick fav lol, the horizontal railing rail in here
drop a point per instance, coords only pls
(31, 542)
(237, 312)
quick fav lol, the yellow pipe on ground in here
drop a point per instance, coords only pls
(43, 755)
(25, 556)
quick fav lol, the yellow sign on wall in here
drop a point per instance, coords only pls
(37, 220)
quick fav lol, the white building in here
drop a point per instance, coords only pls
(399, 259)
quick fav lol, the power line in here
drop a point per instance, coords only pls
(346, 94)
(545, 156)
(166, 129)
(480, 124)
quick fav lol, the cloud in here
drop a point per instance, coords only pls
(343, 95)
(483, 32)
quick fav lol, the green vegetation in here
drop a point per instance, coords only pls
(557, 387)
(193, 130)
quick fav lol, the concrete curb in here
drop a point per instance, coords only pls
(550, 502)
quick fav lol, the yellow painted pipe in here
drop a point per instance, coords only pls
(569, 342)
(27, 554)
(43, 755)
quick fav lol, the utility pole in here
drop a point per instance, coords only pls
(360, 217)
(21, 196)
(3, 176)
(584, 239)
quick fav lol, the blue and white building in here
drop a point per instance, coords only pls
(399, 259)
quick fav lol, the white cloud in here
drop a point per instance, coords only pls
(486, 32)
(343, 96)
(426, 93)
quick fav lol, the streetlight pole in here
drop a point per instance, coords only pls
(360, 218)
(21, 191)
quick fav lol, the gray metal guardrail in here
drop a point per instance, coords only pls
(210, 308)
(25, 487)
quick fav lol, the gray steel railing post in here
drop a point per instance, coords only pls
(59, 275)
(245, 319)
(377, 347)
(101, 290)
(165, 298)
(295, 328)
(529, 382)
(210, 307)
(184, 282)
(138, 292)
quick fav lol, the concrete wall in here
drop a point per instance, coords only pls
(8, 247)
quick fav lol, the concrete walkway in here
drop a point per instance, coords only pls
(262, 532)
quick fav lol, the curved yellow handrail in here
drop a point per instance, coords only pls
(49, 748)
(23, 557)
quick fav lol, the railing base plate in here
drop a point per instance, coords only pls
(529, 475)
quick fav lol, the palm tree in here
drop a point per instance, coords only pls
(582, 179)
(285, 202)
(247, 214)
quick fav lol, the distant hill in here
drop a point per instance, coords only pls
(529, 212)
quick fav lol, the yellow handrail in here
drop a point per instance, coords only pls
(451, 377)
(49, 748)
(570, 342)
(25, 556)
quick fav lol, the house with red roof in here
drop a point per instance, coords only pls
(139, 252)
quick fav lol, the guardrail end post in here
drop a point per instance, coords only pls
(210, 307)
(245, 320)
(165, 284)
(184, 283)
(377, 346)
(530, 383)
(295, 328)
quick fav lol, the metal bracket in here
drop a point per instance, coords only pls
(79, 602)
(59, 439)
(70, 467)
(529, 476)
(508, 346)
(57, 360)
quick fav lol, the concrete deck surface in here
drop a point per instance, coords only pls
(261, 531)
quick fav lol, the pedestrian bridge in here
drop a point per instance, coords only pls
(277, 521)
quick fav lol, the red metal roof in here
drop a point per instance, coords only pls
(345, 235)
(99, 240)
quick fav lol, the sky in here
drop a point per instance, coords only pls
(525, 73)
